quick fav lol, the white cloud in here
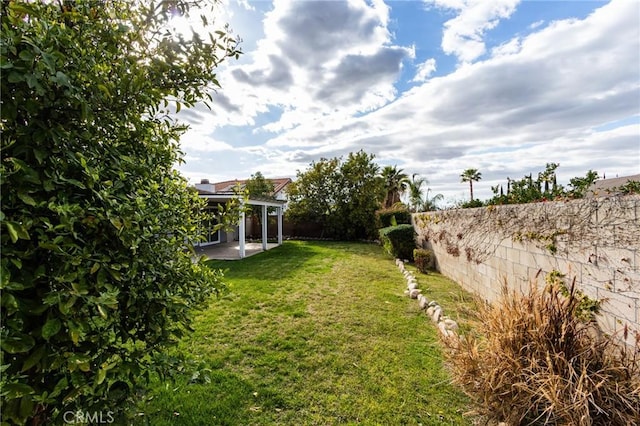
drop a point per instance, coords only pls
(463, 35)
(533, 100)
(510, 113)
(424, 70)
(318, 57)
(536, 24)
(507, 48)
(195, 140)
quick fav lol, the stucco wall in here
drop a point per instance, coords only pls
(594, 241)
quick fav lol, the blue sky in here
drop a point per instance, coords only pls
(434, 87)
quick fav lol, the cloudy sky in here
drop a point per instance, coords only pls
(434, 87)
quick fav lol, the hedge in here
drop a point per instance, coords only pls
(385, 217)
(399, 241)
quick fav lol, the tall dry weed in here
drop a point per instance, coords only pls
(536, 361)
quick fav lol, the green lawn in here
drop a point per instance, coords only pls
(314, 333)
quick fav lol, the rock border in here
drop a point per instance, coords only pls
(446, 326)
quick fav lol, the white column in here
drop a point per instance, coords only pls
(279, 225)
(241, 232)
(264, 227)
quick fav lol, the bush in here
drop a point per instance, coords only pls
(98, 227)
(399, 241)
(422, 258)
(471, 204)
(538, 363)
(386, 217)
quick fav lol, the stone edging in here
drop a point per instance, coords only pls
(446, 326)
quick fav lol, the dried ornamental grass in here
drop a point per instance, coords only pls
(537, 362)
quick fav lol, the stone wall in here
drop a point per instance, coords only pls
(595, 242)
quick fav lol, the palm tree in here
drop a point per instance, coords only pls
(471, 175)
(431, 203)
(415, 191)
(395, 183)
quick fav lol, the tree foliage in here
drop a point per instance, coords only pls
(414, 187)
(314, 193)
(360, 197)
(259, 186)
(395, 183)
(341, 196)
(580, 185)
(542, 188)
(470, 175)
(97, 277)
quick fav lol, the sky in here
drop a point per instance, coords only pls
(433, 87)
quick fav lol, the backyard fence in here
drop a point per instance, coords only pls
(594, 242)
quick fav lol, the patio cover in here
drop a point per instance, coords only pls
(254, 201)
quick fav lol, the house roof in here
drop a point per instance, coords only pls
(224, 197)
(227, 186)
(606, 187)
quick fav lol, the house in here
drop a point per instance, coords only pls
(608, 187)
(220, 193)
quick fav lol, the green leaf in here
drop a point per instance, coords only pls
(15, 77)
(26, 406)
(65, 307)
(51, 328)
(102, 311)
(23, 9)
(80, 288)
(60, 386)
(18, 344)
(102, 374)
(61, 78)
(34, 358)
(26, 198)
(13, 231)
(104, 90)
(26, 55)
(16, 231)
(16, 390)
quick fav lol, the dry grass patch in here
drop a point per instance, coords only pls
(536, 361)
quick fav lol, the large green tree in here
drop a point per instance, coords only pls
(313, 194)
(360, 197)
(97, 276)
(341, 196)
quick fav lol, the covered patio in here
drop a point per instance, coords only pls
(231, 250)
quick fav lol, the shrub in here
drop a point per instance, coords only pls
(471, 204)
(97, 225)
(422, 258)
(538, 363)
(399, 241)
(386, 217)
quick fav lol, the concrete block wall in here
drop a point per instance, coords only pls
(595, 242)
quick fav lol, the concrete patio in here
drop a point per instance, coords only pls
(231, 250)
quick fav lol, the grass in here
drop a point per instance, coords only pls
(314, 333)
